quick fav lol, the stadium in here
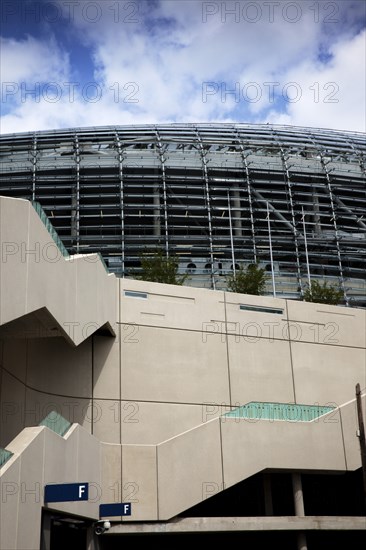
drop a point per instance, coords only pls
(218, 196)
(141, 412)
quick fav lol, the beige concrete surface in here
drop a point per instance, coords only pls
(12, 408)
(325, 373)
(41, 457)
(89, 460)
(48, 357)
(14, 357)
(38, 405)
(325, 324)
(187, 466)
(350, 429)
(111, 472)
(139, 481)
(152, 423)
(223, 524)
(106, 367)
(260, 370)
(14, 239)
(10, 490)
(106, 422)
(46, 269)
(148, 399)
(252, 446)
(32, 482)
(172, 306)
(34, 274)
(174, 366)
(60, 466)
(256, 323)
(75, 451)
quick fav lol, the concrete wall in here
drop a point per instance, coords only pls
(150, 396)
(159, 378)
(42, 457)
(77, 293)
(214, 357)
(162, 481)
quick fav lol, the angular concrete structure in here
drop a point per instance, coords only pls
(160, 396)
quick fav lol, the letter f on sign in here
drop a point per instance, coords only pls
(81, 490)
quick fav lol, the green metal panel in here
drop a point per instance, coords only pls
(56, 423)
(51, 230)
(4, 456)
(103, 262)
(279, 411)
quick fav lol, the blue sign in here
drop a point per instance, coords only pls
(66, 492)
(118, 509)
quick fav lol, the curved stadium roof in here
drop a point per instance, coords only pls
(203, 192)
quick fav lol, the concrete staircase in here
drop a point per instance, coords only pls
(34, 273)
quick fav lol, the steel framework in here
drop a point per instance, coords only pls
(207, 193)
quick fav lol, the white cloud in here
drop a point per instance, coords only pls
(159, 55)
(32, 60)
(333, 96)
(171, 63)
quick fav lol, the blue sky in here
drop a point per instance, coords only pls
(68, 63)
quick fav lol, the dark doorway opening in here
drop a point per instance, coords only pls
(60, 531)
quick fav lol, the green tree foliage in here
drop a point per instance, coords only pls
(247, 281)
(160, 269)
(323, 294)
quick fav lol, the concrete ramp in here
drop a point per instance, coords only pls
(221, 453)
(37, 275)
(39, 456)
(170, 477)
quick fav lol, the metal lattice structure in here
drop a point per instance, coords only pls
(216, 195)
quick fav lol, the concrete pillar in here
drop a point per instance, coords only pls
(92, 540)
(301, 542)
(299, 508)
(298, 495)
